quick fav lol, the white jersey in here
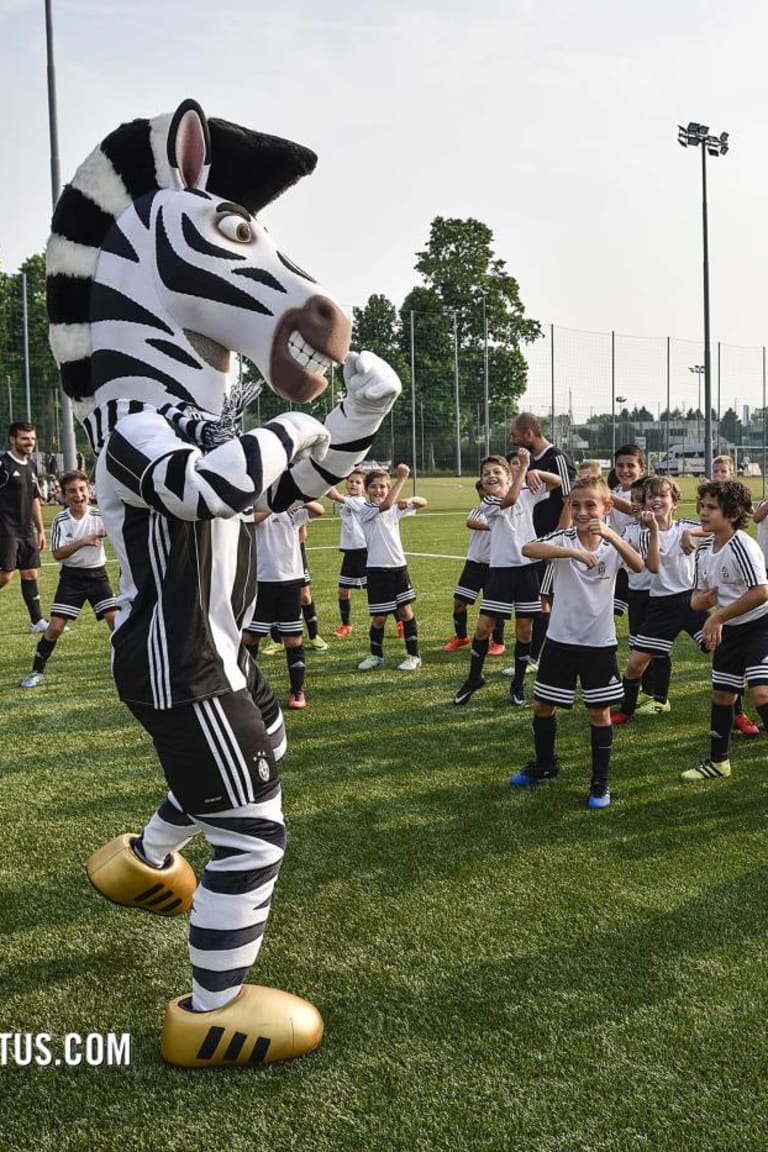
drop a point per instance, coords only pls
(66, 529)
(479, 549)
(619, 521)
(278, 555)
(733, 569)
(762, 531)
(582, 609)
(637, 538)
(512, 527)
(352, 535)
(382, 534)
(675, 573)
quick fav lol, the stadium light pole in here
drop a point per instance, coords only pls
(700, 370)
(486, 391)
(698, 136)
(452, 312)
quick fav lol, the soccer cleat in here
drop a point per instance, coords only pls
(530, 774)
(708, 770)
(269, 648)
(517, 697)
(40, 626)
(32, 680)
(260, 1026)
(653, 707)
(317, 645)
(509, 671)
(468, 688)
(456, 642)
(342, 631)
(533, 664)
(599, 796)
(621, 718)
(410, 664)
(297, 701)
(495, 649)
(370, 662)
(741, 723)
(117, 872)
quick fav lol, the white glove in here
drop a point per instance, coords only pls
(308, 436)
(370, 382)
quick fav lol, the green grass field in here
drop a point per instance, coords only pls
(497, 971)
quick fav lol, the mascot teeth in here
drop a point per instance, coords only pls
(306, 355)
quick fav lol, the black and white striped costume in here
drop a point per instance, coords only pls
(152, 278)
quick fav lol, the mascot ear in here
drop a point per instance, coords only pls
(189, 146)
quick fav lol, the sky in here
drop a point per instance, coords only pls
(553, 122)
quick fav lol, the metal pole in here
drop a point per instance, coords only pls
(67, 413)
(707, 372)
(763, 465)
(669, 397)
(718, 397)
(413, 405)
(486, 395)
(456, 383)
(552, 378)
(10, 400)
(613, 395)
(25, 313)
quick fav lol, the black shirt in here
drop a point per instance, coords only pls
(547, 514)
(18, 489)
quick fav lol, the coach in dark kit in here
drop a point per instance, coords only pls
(21, 520)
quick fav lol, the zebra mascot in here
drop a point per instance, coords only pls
(157, 268)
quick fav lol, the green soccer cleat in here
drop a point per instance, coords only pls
(708, 770)
(653, 708)
(317, 644)
(269, 648)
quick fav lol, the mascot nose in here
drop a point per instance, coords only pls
(323, 325)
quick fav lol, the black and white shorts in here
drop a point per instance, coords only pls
(742, 654)
(388, 589)
(216, 753)
(353, 568)
(76, 585)
(666, 618)
(561, 665)
(18, 552)
(512, 590)
(638, 599)
(473, 579)
(279, 603)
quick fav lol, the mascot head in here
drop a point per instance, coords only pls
(158, 268)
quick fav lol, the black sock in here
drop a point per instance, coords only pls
(460, 624)
(721, 722)
(631, 692)
(274, 633)
(498, 631)
(544, 732)
(522, 652)
(377, 641)
(738, 708)
(345, 609)
(31, 594)
(763, 713)
(296, 668)
(479, 651)
(540, 625)
(310, 618)
(43, 652)
(602, 743)
(662, 674)
(647, 682)
(411, 636)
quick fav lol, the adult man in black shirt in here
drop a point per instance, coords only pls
(21, 520)
(550, 514)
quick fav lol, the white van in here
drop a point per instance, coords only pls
(682, 460)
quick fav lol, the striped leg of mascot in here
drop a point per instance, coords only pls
(157, 268)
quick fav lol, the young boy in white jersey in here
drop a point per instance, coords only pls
(351, 545)
(390, 591)
(581, 639)
(628, 466)
(472, 581)
(670, 561)
(77, 541)
(730, 578)
(280, 574)
(513, 579)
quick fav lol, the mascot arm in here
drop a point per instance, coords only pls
(371, 390)
(154, 467)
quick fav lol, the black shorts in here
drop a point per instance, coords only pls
(561, 665)
(18, 552)
(666, 618)
(353, 568)
(277, 603)
(76, 585)
(639, 599)
(512, 590)
(473, 579)
(742, 654)
(388, 590)
(215, 753)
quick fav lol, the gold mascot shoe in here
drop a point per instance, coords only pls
(260, 1026)
(116, 871)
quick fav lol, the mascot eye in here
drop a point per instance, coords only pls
(235, 228)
